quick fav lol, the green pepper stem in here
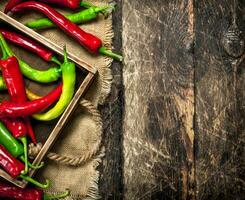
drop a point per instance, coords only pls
(5, 55)
(24, 142)
(58, 196)
(34, 182)
(22, 158)
(109, 53)
(55, 60)
(65, 55)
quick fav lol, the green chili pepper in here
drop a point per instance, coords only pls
(47, 76)
(13, 146)
(69, 79)
(77, 18)
(2, 84)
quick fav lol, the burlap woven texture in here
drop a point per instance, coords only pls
(81, 135)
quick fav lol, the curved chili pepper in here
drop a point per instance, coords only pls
(16, 193)
(16, 126)
(15, 84)
(64, 3)
(12, 145)
(47, 76)
(11, 4)
(87, 40)
(29, 44)
(69, 79)
(13, 110)
(29, 93)
(77, 18)
(14, 168)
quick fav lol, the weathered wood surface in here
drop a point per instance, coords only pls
(219, 101)
(158, 78)
(182, 103)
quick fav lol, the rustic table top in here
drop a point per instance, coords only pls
(174, 122)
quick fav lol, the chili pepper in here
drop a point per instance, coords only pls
(15, 84)
(29, 44)
(64, 3)
(29, 93)
(16, 126)
(11, 4)
(73, 4)
(14, 168)
(2, 84)
(77, 18)
(16, 193)
(12, 145)
(89, 41)
(69, 79)
(47, 76)
(13, 110)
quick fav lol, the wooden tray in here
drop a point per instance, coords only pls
(47, 132)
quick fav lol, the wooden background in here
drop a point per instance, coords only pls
(174, 122)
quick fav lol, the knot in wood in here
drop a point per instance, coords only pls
(233, 42)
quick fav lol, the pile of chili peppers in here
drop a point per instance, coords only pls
(67, 23)
(15, 113)
(23, 106)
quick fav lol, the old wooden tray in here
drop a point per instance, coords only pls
(47, 133)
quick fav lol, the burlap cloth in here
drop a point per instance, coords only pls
(80, 141)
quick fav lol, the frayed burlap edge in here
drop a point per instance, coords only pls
(105, 72)
(93, 190)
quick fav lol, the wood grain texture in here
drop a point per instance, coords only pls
(158, 121)
(183, 120)
(220, 101)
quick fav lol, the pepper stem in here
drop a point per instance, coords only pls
(34, 182)
(55, 60)
(24, 142)
(65, 55)
(5, 46)
(4, 56)
(22, 158)
(58, 196)
(109, 53)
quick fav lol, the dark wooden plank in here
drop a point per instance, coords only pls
(111, 182)
(219, 100)
(159, 101)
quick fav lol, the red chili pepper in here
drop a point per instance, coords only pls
(10, 164)
(27, 43)
(11, 4)
(16, 126)
(87, 40)
(13, 110)
(16, 88)
(30, 45)
(16, 193)
(73, 4)
(14, 168)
